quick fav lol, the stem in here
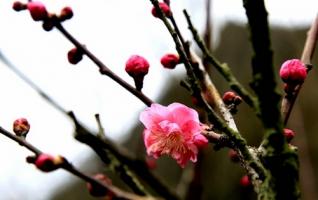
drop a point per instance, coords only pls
(307, 55)
(102, 67)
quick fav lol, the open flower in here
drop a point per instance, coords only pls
(174, 130)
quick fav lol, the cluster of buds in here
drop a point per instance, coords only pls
(231, 100)
(137, 67)
(39, 12)
(46, 162)
(96, 190)
(165, 8)
(170, 61)
(292, 72)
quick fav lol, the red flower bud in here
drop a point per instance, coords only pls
(151, 162)
(229, 97)
(21, 127)
(66, 13)
(48, 163)
(96, 190)
(289, 134)
(234, 156)
(293, 72)
(245, 181)
(170, 61)
(37, 10)
(47, 25)
(137, 67)
(18, 6)
(165, 9)
(74, 56)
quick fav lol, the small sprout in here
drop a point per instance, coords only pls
(66, 13)
(137, 67)
(21, 127)
(98, 191)
(37, 10)
(74, 56)
(18, 6)
(289, 134)
(293, 72)
(164, 8)
(170, 61)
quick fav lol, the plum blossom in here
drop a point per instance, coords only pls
(174, 130)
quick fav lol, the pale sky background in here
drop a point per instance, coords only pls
(113, 30)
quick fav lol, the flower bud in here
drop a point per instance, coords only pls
(293, 72)
(74, 56)
(18, 6)
(137, 67)
(228, 97)
(151, 162)
(245, 181)
(96, 190)
(21, 127)
(47, 25)
(289, 134)
(48, 163)
(164, 8)
(37, 10)
(170, 61)
(66, 13)
(234, 156)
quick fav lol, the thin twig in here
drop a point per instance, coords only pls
(307, 55)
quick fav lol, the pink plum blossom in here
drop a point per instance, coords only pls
(293, 72)
(174, 130)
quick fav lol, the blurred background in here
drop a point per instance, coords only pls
(114, 30)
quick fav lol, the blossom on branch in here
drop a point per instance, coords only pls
(293, 72)
(174, 130)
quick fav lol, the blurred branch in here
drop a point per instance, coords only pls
(66, 165)
(307, 55)
(29, 82)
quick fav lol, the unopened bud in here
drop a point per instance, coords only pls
(245, 181)
(293, 72)
(18, 6)
(289, 134)
(164, 8)
(74, 56)
(21, 127)
(48, 163)
(228, 97)
(66, 13)
(170, 61)
(137, 67)
(37, 10)
(234, 156)
(97, 190)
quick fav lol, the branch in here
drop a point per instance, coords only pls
(222, 68)
(307, 55)
(66, 165)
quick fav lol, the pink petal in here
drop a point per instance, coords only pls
(153, 115)
(180, 113)
(200, 141)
